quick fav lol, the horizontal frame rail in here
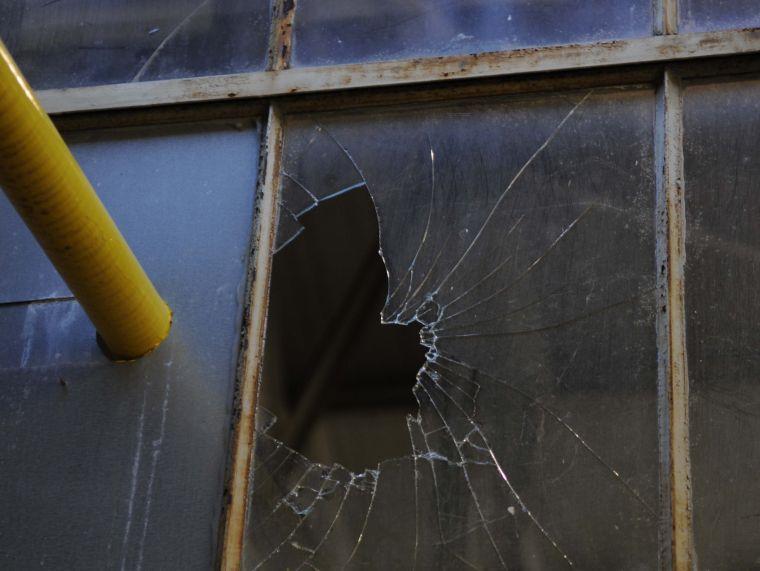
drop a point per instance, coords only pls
(260, 84)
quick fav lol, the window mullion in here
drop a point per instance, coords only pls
(677, 535)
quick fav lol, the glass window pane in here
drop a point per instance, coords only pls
(109, 465)
(352, 31)
(708, 15)
(62, 43)
(722, 124)
(519, 235)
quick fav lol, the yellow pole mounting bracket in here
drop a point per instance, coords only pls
(56, 201)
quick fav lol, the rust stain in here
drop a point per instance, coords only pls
(668, 50)
(281, 39)
(280, 80)
(252, 354)
(682, 540)
(709, 42)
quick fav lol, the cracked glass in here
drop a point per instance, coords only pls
(518, 235)
(722, 191)
(76, 43)
(355, 31)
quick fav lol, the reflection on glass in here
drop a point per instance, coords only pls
(353, 31)
(518, 233)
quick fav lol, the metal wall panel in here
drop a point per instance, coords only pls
(110, 465)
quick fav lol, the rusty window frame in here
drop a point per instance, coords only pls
(665, 60)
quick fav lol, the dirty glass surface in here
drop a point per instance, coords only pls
(708, 15)
(722, 136)
(73, 43)
(519, 234)
(108, 466)
(355, 31)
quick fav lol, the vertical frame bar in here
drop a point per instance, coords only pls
(281, 38)
(676, 534)
(267, 208)
(665, 17)
(280, 43)
(665, 528)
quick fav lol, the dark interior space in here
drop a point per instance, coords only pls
(338, 381)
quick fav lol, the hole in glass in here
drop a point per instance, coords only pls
(338, 381)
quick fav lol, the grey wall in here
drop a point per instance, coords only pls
(109, 465)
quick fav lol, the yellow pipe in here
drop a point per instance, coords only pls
(56, 201)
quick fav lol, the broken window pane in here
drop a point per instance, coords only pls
(340, 371)
(708, 15)
(518, 233)
(128, 459)
(74, 43)
(354, 31)
(721, 124)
